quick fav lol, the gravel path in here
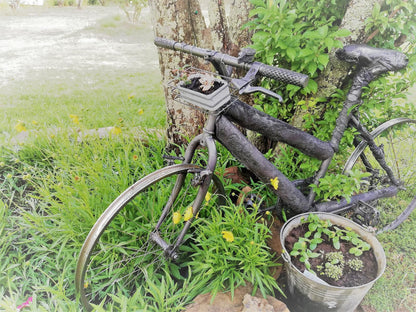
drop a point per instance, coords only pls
(37, 41)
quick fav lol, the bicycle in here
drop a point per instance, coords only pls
(137, 230)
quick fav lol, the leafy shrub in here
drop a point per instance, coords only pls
(230, 249)
(298, 35)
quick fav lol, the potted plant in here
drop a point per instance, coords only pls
(331, 262)
(204, 90)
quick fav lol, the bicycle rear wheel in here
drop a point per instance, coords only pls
(397, 139)
(118, 256)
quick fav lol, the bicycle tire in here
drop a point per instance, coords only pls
(399, 146)
(123, 231)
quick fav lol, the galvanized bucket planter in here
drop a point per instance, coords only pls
(310, 294)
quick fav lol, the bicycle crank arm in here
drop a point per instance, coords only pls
(334, 205)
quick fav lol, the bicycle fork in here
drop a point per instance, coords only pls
(202, 180)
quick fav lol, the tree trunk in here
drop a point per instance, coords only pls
(179, 20)
(182, 20)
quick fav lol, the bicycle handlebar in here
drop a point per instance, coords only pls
(280, 74)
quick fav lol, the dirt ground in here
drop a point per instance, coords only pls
(35, 41)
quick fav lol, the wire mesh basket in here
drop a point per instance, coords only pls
(201, 89)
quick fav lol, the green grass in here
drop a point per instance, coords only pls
(114, 103)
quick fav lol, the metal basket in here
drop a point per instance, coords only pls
(213, 102)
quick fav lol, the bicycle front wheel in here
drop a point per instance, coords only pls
(397, 139)
(118, 257)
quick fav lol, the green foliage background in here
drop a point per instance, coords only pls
(299, 35)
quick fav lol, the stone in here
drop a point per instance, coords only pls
(242, 301)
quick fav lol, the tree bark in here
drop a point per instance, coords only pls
(179, 20)
(182, 20)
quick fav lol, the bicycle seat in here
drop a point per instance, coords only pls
(383, 60)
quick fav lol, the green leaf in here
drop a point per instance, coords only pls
(336, 242)
(323, 31)
(291, 53)
(312, 227)
(323, 59)
(376, 10)
(261, 36)
(312, 67)
(355, 251)
(312, 86)
(342, 33)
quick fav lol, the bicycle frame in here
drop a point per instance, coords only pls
(220, 127)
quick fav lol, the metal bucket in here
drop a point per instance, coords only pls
(307, 294)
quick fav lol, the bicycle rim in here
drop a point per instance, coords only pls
(397, 137)
(117, 257)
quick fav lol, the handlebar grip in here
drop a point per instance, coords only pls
(280, 74)
(165, 43)
(284, 75)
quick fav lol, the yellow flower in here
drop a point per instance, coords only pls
(85, 284)
(208, 196)
(75, 119)
(275, 183)
(228, 236)
(141, 111)
(20, 126)
(115, 130)
(188, 214)
(131, 95)
(135, 157)
(176, 217)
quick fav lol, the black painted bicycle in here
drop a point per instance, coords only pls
(137, 232)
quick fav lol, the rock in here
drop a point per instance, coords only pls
(254, 304)
(241, 302)
(259, 304)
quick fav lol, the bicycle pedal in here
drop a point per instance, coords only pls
(366, 215)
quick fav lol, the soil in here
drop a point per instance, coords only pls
(195, 85)
(350, 277)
